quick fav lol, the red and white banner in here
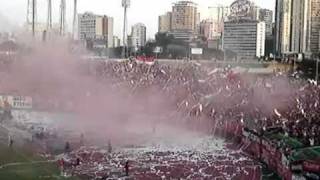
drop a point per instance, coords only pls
(311, 166)
(145, 60)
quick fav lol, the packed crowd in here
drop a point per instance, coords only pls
(219, 96)
(206, 98)
(144, 164)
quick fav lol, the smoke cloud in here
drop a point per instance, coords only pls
(58, 80)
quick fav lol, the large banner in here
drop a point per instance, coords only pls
(311, 166)
(145, 60)
(196, 51)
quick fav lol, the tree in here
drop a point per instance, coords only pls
(177, 51)
(163, 40)
(230, 55)
(210, 54)
(115, 52)
(148, 48)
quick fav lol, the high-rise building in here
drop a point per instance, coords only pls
(266, 15)
(129, 41)
(95, 27)
(218, 16)
(116, 41)
(245, 38)
(297, 26)
(108, 30)
(297, 29)
(283, 25)
(314, 29)
(198, 21)
(164, 24)
(185, 16)
(241, 10)
(206, 29)
(243, 33)
(138, 35)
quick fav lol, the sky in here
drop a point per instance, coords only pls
(140, 11)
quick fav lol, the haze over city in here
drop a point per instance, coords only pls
(144, 11)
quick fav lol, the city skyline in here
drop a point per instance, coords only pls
(137, 11)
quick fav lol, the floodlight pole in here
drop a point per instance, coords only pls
(125, 5)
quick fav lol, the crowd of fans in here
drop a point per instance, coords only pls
(215, 96)
(219, 96)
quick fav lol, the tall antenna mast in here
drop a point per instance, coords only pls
(32, 15)
(62, 17)
(74, 19)
(49, 18)
(28, 13)
(125, 5)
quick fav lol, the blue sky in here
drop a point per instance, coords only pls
(144, 11)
